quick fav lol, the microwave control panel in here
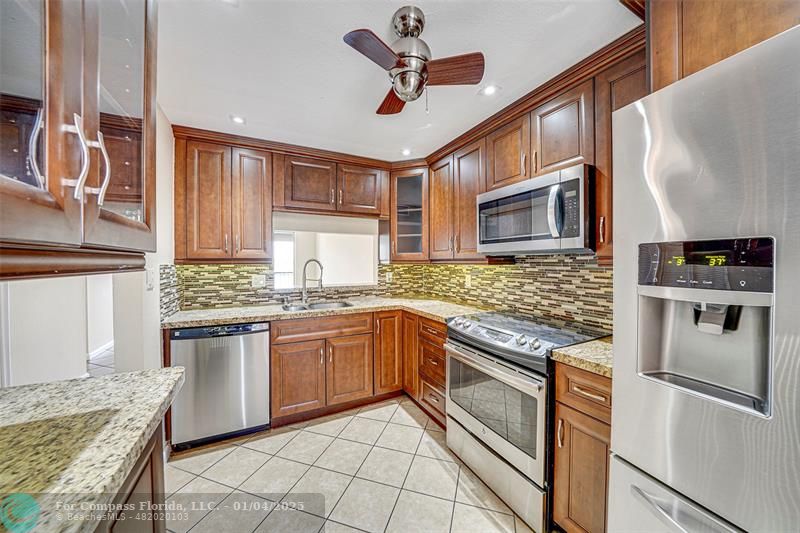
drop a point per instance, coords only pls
(572, 208)
(744, 264)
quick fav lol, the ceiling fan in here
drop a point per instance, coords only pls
(408, 61)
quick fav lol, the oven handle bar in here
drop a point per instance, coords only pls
(519, 381)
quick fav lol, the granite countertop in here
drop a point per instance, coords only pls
(76, 441)
(593, 356)
(433, 309)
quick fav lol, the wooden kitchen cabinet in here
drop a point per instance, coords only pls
(508, 153)
(455, 183)
(298, 377)
(227, 210)
(582, 437)
(56, 214)
(617, 86)
(359, 189)
(562, 130)
(388, 351)
(349, 370)
(410, 354)
(581, 471)
(208, 201)
(441, 209)
(309, 183)
(409, 220)
(686, 36)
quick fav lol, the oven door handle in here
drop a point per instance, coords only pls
(518, 381)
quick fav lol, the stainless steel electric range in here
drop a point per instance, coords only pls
(498, 406)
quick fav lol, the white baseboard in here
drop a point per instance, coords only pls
(101, 349)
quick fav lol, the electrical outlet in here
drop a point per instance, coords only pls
(258, 281)
(389, 277)
(468, 281)
(149, 279)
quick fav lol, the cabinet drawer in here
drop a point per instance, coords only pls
(307, 329)
(584, 391)
(432, 397)
(432, 361)
(435, 332)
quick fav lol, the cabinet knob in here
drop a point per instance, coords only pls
(602, 229)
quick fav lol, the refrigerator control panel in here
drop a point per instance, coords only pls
(744, 264)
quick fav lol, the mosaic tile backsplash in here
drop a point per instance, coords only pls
(170, 295)
(554, 288)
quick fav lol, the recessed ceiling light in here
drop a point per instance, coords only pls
(406, 151)
(237, 119)
(489, 90)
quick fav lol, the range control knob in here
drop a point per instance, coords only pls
(521, 339)
(459, 321)
(467, 323)
(535, 344)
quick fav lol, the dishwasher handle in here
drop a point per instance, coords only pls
(218, 331)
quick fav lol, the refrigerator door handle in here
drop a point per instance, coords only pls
(676, 509)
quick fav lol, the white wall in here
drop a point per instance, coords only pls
(137, 321)
(44, 329)
(99, 313)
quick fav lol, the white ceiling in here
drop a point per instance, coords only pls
(282, 65)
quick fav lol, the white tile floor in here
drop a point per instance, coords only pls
(384, 467)
(102, 364)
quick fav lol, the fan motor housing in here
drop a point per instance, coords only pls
(409, 80)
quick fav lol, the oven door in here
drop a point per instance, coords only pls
(504, 407)
(522, 217)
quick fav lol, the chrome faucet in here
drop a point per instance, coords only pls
(305, 279)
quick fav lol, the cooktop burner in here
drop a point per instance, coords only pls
(515, 339)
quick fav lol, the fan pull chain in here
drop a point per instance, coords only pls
(427, 109)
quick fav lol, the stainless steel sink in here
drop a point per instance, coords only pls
(329, 305)
(295, 307)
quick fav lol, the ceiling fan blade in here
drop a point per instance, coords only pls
(466, 69)
(391, 104)
(369, 44)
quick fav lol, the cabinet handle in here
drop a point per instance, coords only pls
(602, 229)
(378, 327)
(434, 362)
(330, 353)
(560, 433)
(522, 163)
(226, 243)
(458, 243)
(238, 243)
(321, 356)
(33, 149)
(535, 161)
(588, 394)
(101, 195)
(340, 196)
(80, 181)
(431, 331)
(450, 243)
(332, 196)
(433, 398)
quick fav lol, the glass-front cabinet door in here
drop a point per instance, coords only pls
(40, 96)
(409, 220)
(120, 206)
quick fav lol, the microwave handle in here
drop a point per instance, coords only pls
(552, 202)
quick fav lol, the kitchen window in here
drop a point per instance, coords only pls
(283, 263)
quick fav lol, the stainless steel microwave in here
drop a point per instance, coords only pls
(551, 213)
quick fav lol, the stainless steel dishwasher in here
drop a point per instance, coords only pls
(226, 389)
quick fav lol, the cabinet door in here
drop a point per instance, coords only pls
(441, 209)
(36, 153)
(562, 130)
(687, 36)
(349, 369)
(615, 87)
(409, 221)
(468, 182)
(251, 207)
(309, 183)
(410, 365)
(297, 377)
(388, 351)
(208, 201)
(119, 211)
(580, 481)
(508, 153)
(359, 189)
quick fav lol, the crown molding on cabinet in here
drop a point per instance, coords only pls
(276, 147)
(628, 44)
(637, 7)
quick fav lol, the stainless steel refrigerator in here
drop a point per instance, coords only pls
(706, 391)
